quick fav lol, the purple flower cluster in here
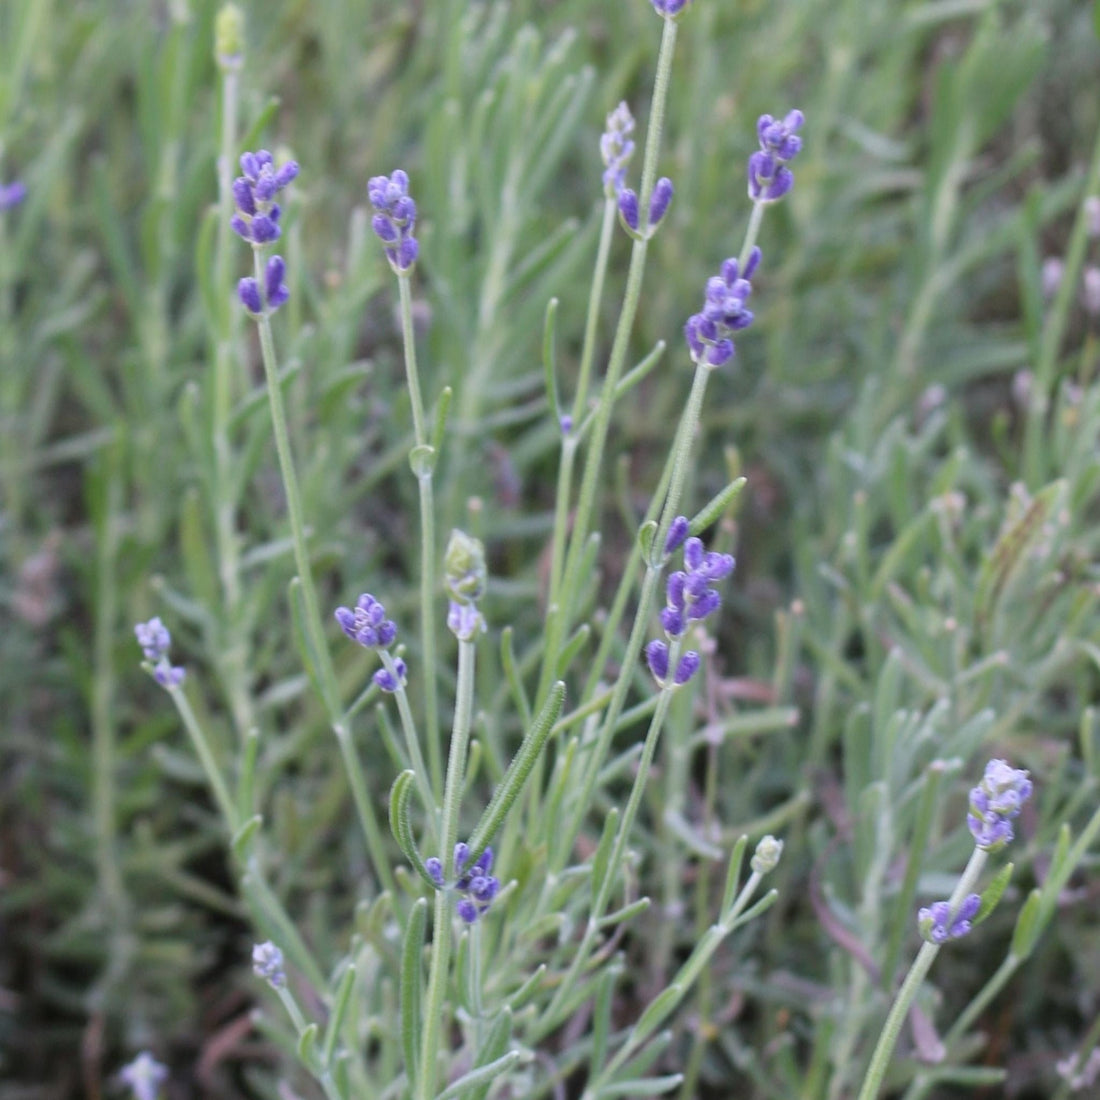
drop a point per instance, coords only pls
(275, 291)
(394, 219)
(994, 802)
(658, 205)
(367, 625)
(267, 963)
(709, 334)
(12, 194)
(769, 177)
(670, 8)
(144, 1076)
(155, 641)
(616, 149)
(257, 215)
(938, 924)
(689, 598)
(478, 886)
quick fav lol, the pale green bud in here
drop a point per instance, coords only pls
(464, 567)
(767, 855)
(229, 37)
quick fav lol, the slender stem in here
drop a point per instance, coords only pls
(323, 1076)
(441, 933)
(751, 233)
(364, 807)
(622, 838)
(884, 1049)
(601, 424)
(427, 541)
(312, 615)
(206, 757)
(412, 744)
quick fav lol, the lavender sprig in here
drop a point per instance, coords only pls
(394, 219)
(366, 625)
(995, 802)
(938, 923)
(769, 177)
(709, 333)
(155, 640)
(616, 149)
(474, 882)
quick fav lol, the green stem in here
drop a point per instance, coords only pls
(884, 1049)
(321, 655)
(364, 807)
(323, 1076)
(601, 424)
(214, 777)
(412, 744)
(427, 540)
(441, 934)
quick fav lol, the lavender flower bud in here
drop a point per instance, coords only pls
(687, 667)
(275, 290)
(464, 570)
(154, 639)
(434, 866)
(169, 675)
(367, 623)
(144, 1076)
(467, 910)
(387, 681)
(1050, 276)
(677, 531)
(249, 294)
(257, 214)
(938, 925)
(475, 883)
(1092, 215)
(725, 311)
(656, 657)
(628, 208)
(464, 621)
(1090, 291)
(669, 8)
(769, 181)
(994, 802)
(12, 194)
(766, 857)
(616, 149)
(659, 201)
(267, 963)
(566, 424)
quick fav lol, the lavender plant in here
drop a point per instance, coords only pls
(586, 721)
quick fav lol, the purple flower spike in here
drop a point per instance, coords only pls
(687, 667)
(938, 925)
(475, 883)
(257, 214)
(769, 178)
(994, 802)
(658, 203)
(769, 181)
(628, 208)
(616, 149)
(169, 675)
(669, 8)
(154, 639)
(394, 220)
(267, 963)
(725, 311)
(656, 657)
(367, 623)
(677, 532)
(779, 138)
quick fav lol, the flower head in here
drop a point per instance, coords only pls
(257, 213)
(275, 292)
(394, 219)
(709, 333)
(12, 194)
(267, 963)
(229, 37)
(367, 624)
(769, 177)
(616, 149)
(474, 881)
(766, 856)
(670, 8)
(995, 802)
(390, 681)
(938, 924)
(688, 592)
(155, 640)
(144, 1076)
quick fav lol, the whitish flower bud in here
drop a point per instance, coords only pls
(229, 37)
(766, 857)
(464, 567)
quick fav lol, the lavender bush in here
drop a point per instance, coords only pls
(418, 493)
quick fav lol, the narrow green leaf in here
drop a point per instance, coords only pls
(401, 826)
(550, 357)
(1027, 929)
(243, 837)
(717, 505)
(412, 989)
(621, 916)
(442, 410)
(657, 1011)
(993, 892)
(648, 1086)
(339, 1011)
(252, 137)
(511, 673)
(733, 874)
(483, 1075)
(603, 849)
(528, 989)
(494, 1046)
(520, 768)
(572, 647)
(307, 1046)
